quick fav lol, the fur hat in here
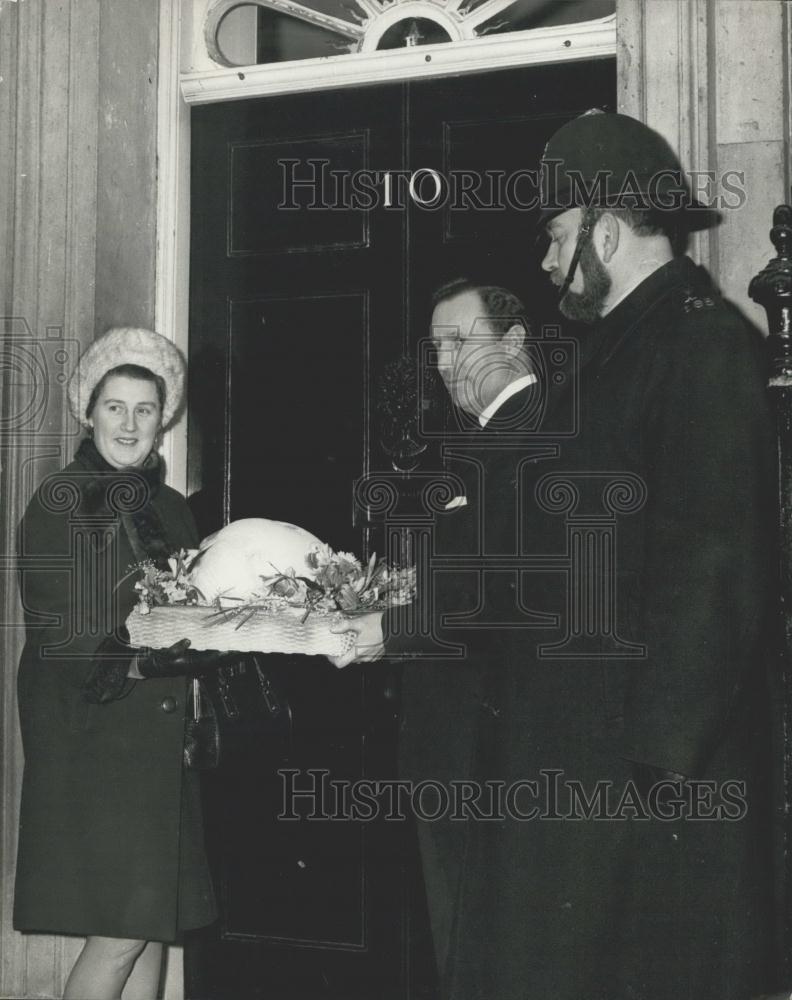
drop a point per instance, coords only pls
(127, 345)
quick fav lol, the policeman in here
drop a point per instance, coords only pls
(609, 160)
(672, 391)
(642, 679)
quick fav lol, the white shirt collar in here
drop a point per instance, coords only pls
(514, 387)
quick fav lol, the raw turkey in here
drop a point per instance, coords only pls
(233, 560)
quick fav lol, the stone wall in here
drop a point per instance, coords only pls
(713, 76)
(78, 241)
(77, 249)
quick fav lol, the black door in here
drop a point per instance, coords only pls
(320, 225)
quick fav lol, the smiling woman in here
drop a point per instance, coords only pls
(125, 414)
(111, 837)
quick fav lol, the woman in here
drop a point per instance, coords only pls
(111, 840)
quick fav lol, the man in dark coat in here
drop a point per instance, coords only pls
(613, 683)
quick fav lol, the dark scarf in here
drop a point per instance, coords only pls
(127, 494)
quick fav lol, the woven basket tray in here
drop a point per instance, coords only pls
(280, 631)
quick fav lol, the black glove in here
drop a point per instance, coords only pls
(107, 680)
(177, 660)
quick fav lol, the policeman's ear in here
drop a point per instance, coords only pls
(514, 338)
(606, 236)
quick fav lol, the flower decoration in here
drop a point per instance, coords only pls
(333, 582)
(159, 587)
(339, 582)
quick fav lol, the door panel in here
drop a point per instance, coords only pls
(302, 474)
(301, 170)
(298, 301)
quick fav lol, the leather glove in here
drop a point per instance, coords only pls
(177, 660)
(107, 680)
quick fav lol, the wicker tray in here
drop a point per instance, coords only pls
(281, 631)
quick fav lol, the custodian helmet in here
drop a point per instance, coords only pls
(603, 159)
(607, 160)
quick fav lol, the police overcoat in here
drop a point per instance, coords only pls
(646, 535)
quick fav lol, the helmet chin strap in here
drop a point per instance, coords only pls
(584, 232)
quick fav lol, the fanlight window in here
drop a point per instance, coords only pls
(272, 31)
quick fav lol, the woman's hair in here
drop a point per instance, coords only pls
(130, 371)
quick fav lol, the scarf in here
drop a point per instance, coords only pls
(127, 494)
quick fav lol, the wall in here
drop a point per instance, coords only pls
(77, 250)
(78, 179)
(127, 164)
(713, 76)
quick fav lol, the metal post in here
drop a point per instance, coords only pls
(772, 289)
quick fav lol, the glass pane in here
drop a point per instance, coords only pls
(526, 14)
(282, 37)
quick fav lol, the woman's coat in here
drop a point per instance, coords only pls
(111, 841)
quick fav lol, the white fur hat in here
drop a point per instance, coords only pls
(127, 345)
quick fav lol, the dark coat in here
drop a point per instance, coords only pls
(111, 839)
(672, 401)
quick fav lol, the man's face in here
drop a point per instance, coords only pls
(563, 233)
(468, 353)
(585, 298)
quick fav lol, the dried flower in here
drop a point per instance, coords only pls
(336, 581)
(158, 587)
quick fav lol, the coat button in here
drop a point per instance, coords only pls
(168, 705)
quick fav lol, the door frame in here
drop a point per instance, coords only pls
(670, 86)
(180, 85)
